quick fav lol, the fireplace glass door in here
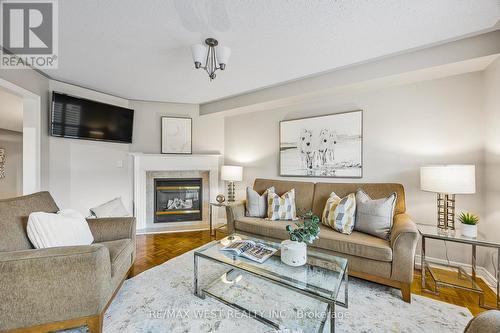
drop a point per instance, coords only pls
(178, 200)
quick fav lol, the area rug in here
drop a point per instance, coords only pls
(161, 300)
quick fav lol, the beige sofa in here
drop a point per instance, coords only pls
(50, 289)
(389, 262)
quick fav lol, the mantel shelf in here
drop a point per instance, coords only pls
(138, 154)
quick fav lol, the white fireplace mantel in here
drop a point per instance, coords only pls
(165, 162)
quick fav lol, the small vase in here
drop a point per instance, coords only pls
(469, 230)
(293, 253)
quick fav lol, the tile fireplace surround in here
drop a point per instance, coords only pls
(150, 166)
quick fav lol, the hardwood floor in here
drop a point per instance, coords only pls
(155, 249)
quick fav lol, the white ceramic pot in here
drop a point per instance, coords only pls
(468, 230)
(293, 253)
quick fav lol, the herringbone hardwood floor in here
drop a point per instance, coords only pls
(155, 249)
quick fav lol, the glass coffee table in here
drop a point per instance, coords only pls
(274, 293)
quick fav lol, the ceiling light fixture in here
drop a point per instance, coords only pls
(211, 59)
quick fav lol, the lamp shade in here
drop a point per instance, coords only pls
(199, 53)
(231, 173)
(223, 54)
(448, 179)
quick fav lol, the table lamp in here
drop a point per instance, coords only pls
(231, 173)
(446, 181)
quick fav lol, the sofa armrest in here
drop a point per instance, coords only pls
(404, 238)
(113, 228)
(233, 212)
(53, 284)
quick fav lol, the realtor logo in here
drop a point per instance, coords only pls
(29, 34)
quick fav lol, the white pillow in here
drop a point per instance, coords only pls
(66, 228)
(113, 208)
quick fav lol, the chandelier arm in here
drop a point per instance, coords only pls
(206, 60)
(214, 55)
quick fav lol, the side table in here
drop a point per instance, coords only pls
(464, 280)
(210, 213)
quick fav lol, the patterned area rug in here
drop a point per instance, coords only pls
(161, 300)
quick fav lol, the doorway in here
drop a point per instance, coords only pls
(24, 122)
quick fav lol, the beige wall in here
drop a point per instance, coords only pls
(12, 184)
(438, 121)
(208, 131)
(490, 224)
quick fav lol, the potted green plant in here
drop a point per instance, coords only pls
(468, 224)
(294, 250)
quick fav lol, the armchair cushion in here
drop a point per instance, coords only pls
(120, 255)
(14, 214)
(112, 208)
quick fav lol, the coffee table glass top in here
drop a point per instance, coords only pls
(321, 276)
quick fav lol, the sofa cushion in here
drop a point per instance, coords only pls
(303, 191)
(14, 218)
(259, 226)
(355, 244)
(339, 214)
(374, 217)
(281, 207)
(256, 204)
(120, 255)
(375, 191)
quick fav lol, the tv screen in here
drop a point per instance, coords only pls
(80, 118)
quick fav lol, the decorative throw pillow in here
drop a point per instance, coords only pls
(281, 208)
(113, 208)
(374, 217)
(256, 205)
(66, 228)
(339, 214)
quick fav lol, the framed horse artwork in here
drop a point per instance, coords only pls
(323, 146)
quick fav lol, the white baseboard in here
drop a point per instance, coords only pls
(481, 272)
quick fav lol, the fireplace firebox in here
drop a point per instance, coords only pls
(178, 200)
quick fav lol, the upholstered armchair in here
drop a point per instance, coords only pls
(486, 322)
(56, 288)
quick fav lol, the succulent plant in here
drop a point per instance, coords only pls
(468, 218)
(306, 230)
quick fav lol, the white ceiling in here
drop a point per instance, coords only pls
(141, 49)
(11, 111)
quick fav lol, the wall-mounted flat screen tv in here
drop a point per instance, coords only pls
(79, 118)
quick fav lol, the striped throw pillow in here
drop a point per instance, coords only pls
(339, 214)
(281, 208)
